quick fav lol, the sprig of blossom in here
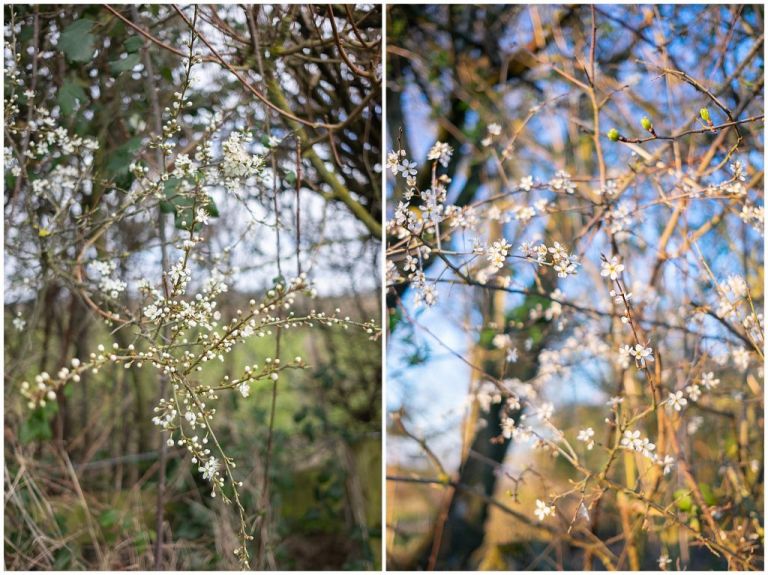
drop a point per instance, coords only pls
(441, 152)
(562, 183)
(557, 256)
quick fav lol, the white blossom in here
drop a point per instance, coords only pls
(741, 358)
(693, 391)
(641, 354)
(677, 401)
(664, 561)
(709, 381)
(543, 510)
(210, 468)
(441, 152)
(586, 435)
(19, 322)
(237, 162)
(612, 268)
(545, 411)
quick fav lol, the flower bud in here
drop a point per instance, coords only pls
(646, 123)
(704, 113)
(613, 135)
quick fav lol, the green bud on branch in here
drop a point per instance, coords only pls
(704, 113)
(646, 123)
(613, 135)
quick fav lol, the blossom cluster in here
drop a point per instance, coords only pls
(556, 255)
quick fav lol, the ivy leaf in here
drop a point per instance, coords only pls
(211, 208)
(70, 94)
(182, 207)
(184, 215)
(170, 186)
(120, 159)
(133, 44)
(10, 180)
(127, 63)
(167, 207)
(26, 34)
(77, 42)
(185, 220)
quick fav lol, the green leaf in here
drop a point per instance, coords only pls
(182, 221)
(127, 63)
(70, 94)
(300, 415)
(308, 430)
(182, 202)
(120, 158)
(183, 207)
(695, 524)
(25, 35)
(394, 319)
(77, 42)
(185, 220)
(683, 499)
(142, 541)
(290, 178)
(708, 494)
(170, 186)
(211, 208)
(486, 338)
(37, 426)
(166, 207)
(10, 181)
(108, 518)
(133, 43)
(62, 559)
